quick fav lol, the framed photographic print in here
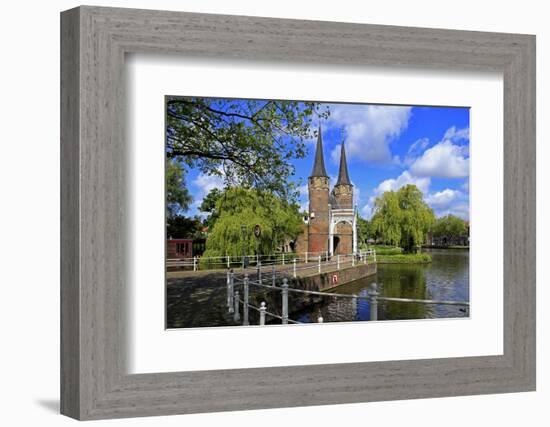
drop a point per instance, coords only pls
(261, 213)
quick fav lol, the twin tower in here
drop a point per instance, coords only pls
(332, 222)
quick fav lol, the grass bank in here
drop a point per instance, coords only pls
(386, 249)
(404, 259)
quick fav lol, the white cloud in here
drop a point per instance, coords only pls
(449, 158)
(303, 190)
(445, 160)
(369, 130)
(456, 135)
(393, 184)
(356, 194)
(461, 210)
(204, 183)
(442, 199)
(449, 202)
(418, 145)
(366, 211)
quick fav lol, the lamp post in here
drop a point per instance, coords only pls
(243, 231)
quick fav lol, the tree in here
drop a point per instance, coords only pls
(181, 227)
(178, 198)
(247, 142)
(278, 220)
(449, 226)
(364, 230)
(387, 217)
(416, 217)
(208, 206)
(402, 217)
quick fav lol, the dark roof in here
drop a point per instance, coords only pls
(319, 165)
(343, 175)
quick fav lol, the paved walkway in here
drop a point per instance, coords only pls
(302, 270)
(198, 298)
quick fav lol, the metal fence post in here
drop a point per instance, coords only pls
(228, 262)
(245, 300)
(273, 274)
(284, 293)
(306, 257)
(374, 254)
(373, 300)
(260, 272)
(283, 258)
(263, 309)
(194, 263)
(236, 315)
(228, 289)
(294, 267)
(231, 291)
(319, 264)
(338, 262)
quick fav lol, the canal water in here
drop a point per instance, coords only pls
(445, 278)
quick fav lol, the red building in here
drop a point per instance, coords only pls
(179, 248)
(332, 220)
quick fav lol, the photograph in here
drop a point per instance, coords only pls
(282, 212)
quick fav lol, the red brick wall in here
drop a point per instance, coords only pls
(344, 232)
(324, 281)
(185, 246)
(343, 195)
(302, 241)
(318, 205)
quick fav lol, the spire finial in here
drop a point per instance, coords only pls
(343, 175)
(319, 163)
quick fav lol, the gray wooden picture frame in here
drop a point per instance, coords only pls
(94, 382)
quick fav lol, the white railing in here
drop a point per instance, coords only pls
(290, 258)
(234, 301)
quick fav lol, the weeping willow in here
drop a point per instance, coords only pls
(241, 210)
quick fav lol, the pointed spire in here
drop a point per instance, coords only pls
(319, 165)
(343, 175)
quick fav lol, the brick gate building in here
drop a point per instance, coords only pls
(332, 221)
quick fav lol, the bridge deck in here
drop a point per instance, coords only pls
(302, 270)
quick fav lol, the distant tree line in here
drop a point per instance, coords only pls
(403, 219)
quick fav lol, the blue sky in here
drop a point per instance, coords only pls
(387, 147)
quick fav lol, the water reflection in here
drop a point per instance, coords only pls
(446, 278)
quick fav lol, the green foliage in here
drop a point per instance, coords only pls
(181, 227)
(449, 226)
(278, 219)
(386, 249)
(177, 195)
(402, 218)
(208, 206)
(416, 217)
(387, 217)
(247, 142)
(364, 231)
(403, 259)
